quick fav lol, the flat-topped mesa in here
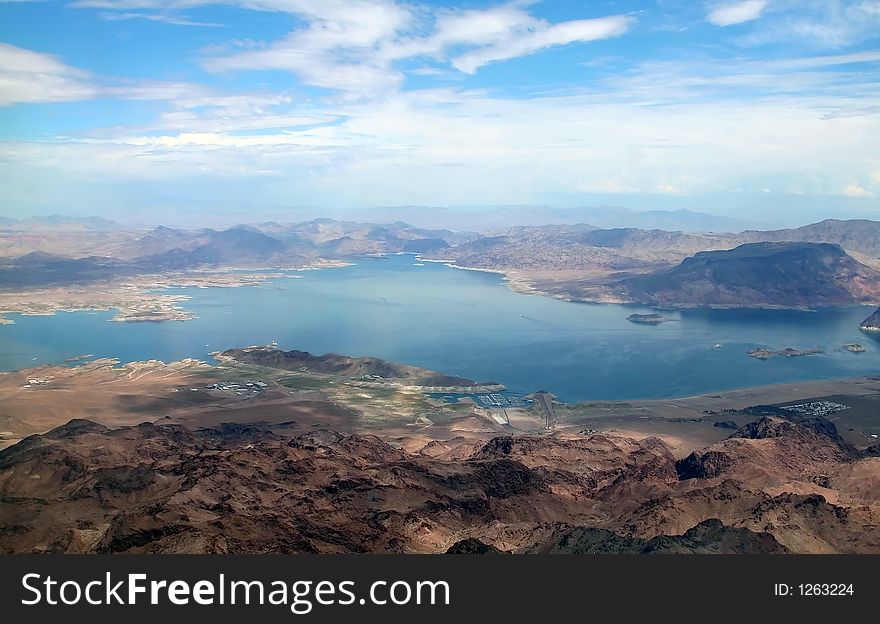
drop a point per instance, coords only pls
(872, 323)
(345, 366)
(786, 274)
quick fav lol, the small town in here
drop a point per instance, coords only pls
(816, 408)
(247, 388)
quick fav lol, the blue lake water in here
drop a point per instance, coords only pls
(470, 324)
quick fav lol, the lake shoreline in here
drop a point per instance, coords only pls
(524, 282)
(143, 298)
(430, 316)
(754, 395)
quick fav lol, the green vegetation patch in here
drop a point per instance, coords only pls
(304, 383)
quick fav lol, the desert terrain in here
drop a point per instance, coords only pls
(262, 450)
(235, 456)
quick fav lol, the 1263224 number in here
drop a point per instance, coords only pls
(826, 589)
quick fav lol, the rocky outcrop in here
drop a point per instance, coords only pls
(472, 546)
(707, 465)
(707, 537)
(236, 488)
(771, 447)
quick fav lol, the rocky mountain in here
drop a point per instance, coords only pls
(352, 238)
(774, 486)
(805, 275)
(271, 244)
(872, 323)
(168, 249)
(164, 249)
(580, 247)
(162, 240)
(233, 247)
(586, 247)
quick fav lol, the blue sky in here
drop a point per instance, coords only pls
(188, 110)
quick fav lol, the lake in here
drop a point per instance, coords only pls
(469, 323)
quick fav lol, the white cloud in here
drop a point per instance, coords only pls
(338, 48)
(236, 113)
(28, 76)
(453, 146)
(854, 189)
(804, 125)
(353, 45)
(542, 36)
(819, 23)
(731, 13)
(835, 24)
(164, 17)
(668, 189)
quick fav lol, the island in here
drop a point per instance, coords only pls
(647, 319)
(854, 347)
(766, 354)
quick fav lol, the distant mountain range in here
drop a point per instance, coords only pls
(54, 222)
(500, 218)
(828, 263)
(582, 246)
(682, 220)
(280, 244)
(577, 247)
(478, 218)
(859, 235)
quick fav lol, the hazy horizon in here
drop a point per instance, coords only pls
(456, 218)
(765, 111)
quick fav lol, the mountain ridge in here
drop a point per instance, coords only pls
(241, 488)
(787, 274)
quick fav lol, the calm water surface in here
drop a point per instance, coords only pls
(468, 323)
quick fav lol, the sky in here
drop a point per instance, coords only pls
(193, 110)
